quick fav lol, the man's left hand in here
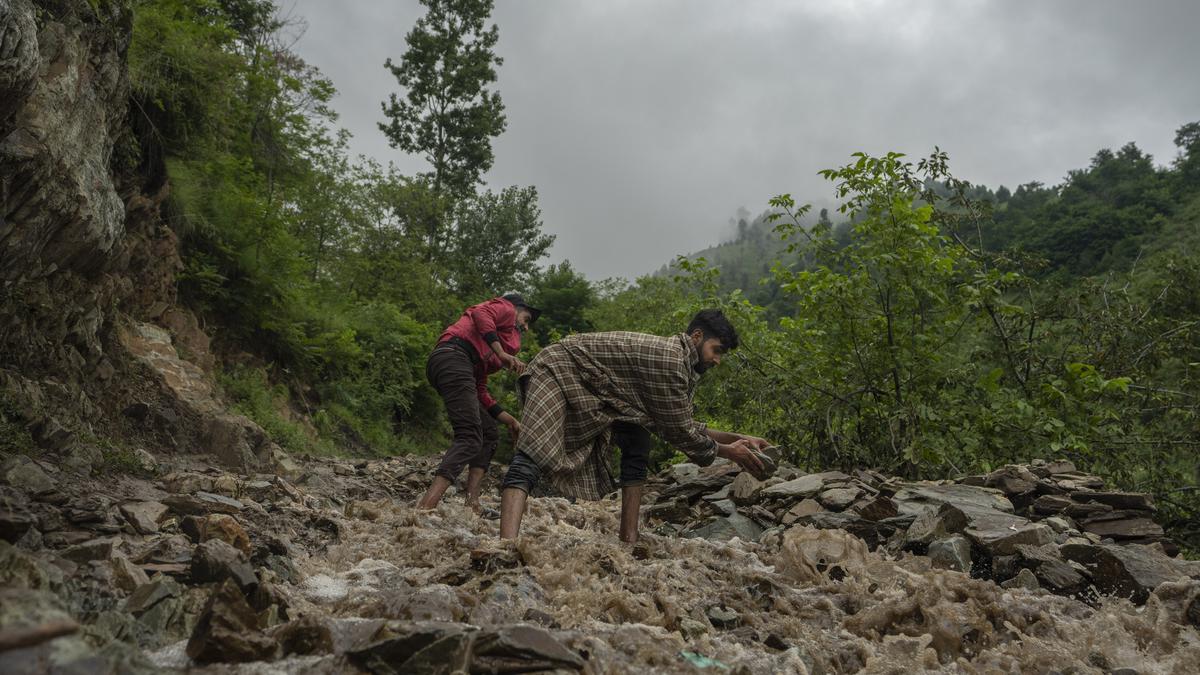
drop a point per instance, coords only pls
(756, 442)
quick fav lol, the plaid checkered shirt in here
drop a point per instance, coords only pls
(580, 385)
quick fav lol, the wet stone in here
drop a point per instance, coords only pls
(802, 508)
(521, 648)
(94, 549)
(20, 570)
(1086, 511)
(87, 511)
(839, 499)
(193, 527)
(1004, 541)
(951, 553)
(149, 594)
(172, 550)
(1058, 524)
(1024, 579)
(797, 488)
(877, 508)
(719, 495)
(228, 630)
(1051, 570)
(146, 461)
(306, 635)
(722, 617)
(770, 464)
(14, 524)
(760, 515)
(672, 510)
(725, 528)
(1012, 480)
(144, 517)
(259, 490)
(745, 489)
(1123, 528)
(127, 576)
(226, 485)
(1117, 500)
(215, 560)
(227, 529)
(1048, 504)
(25, 473)
(203, 503)
(1131, 571)
(695, 487)
(407, 648)
(723, 507)
(67, 538)
(684, 471)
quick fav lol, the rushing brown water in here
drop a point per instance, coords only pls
(805, 601)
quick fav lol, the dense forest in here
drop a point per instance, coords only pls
(926, 326)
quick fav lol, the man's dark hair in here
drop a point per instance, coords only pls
(713, 324)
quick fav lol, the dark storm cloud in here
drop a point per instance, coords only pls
(645, 125)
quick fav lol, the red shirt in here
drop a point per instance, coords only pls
(481, 325)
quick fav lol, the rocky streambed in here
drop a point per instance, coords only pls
(324, 567)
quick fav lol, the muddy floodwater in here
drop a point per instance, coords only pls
(780, 609)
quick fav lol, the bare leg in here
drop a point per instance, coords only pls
(631, 504)
(512, 509)
(434, 494)
(474, 481)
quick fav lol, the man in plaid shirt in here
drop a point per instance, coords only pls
(591, 390)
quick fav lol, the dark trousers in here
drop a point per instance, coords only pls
(633, 440)
(451, 372)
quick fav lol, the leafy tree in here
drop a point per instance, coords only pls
(564, 296)
(495, 242)
(1187, 164)
(448, 114)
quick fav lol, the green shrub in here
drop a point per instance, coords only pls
(14, 437)
(254, 396)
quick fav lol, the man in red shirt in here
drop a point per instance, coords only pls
(484, 340)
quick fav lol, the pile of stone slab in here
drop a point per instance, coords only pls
(1043, 525)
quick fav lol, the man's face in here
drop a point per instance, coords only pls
(523, 316)
(711, 352)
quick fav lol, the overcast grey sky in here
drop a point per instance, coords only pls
(645, 124)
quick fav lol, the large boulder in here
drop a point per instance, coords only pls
(1132, 571)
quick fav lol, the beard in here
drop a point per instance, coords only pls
(700, 367)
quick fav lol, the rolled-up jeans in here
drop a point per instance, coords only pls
(633, 440)
(451, 372)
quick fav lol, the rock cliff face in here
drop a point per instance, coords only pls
(87, 265)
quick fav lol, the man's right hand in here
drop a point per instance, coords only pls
(514, 427)
(741, 452)
(514, 364)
